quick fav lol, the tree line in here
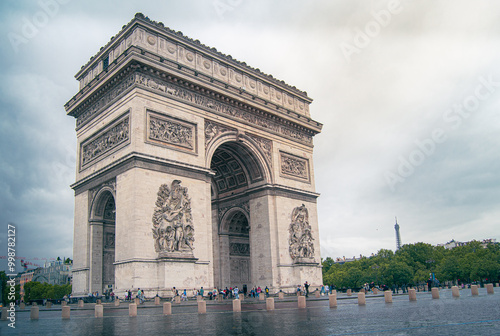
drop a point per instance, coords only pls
(413, 264)
(36, 291)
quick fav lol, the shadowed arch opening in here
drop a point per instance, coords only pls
(102, 227)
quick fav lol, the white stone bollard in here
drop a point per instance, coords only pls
(302, 302)
(388, 296)
(270, 303)
(202, 307)
(99, 310)
(65, 313)
(435, 292)
(455, 292)
(412, 294)
(34, 313)
(474, 290)
(132, 310)
(167, 308)
(332, 299)
(361, 299)
(236, 306)
(489, 289)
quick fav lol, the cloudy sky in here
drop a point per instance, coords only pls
(408, 92)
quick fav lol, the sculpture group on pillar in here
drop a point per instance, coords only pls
(173, 229)
(301, 240)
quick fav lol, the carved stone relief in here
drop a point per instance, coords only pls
(213, 129)
(104, 142)
(301, 241)
(239, 249)
(171, 131)
(173, 230)
(265, 145)
(294, 166)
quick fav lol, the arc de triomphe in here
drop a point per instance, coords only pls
(193, 170)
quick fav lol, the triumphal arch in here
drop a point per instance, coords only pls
(194, 169)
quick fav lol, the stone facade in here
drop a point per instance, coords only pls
(191, 168)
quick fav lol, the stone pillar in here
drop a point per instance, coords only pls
(34, 304)
(375, 291)
(236, 306)
(349, 292)
(262, 296)
(167, 308)
(98, 301)
(5, 314)
(270, 303)
(99, 310)
(198, 298)
(22, 306)
(80, 303)
(202, 307)
(455, 292)
(65, 312)
(117, 302)
(63, 303)
(435, 292)
(332, 299)
(132, 310)
(317, 293)
(177, 299)
(361, 299)
(241, 297)
(412, 294)
(362, 290)
(34, 313)
(474, 290)
(220, 298)
(281, 295)
(302, 301)
(157, 300)
(48, 305)
(388, 296)
(137, 301)
(489, 289)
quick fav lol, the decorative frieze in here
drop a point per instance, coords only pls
(294, 166)
(301, 241)
(107, 98)
(213, 130)
(222, 108)
(265, 145)
(239, 249)
(170, 131)
(173, 230)
(111, 138)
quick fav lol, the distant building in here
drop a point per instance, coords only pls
(24, 278)
(453, 243)
(54, 273)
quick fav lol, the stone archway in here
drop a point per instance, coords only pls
(102, 247)
(237, 170)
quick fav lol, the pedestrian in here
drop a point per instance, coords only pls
(236, 292)
(267, 291)
(298, 290)
(306, 287)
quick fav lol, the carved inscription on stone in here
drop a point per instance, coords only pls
(173, 230)
(105, 141)
(239, 249)
(294, 166)
(213, 129)
(170, 131)
(301, 240)
(265, 145)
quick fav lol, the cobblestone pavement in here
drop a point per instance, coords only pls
(467, 315)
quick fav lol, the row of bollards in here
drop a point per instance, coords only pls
(202, 305)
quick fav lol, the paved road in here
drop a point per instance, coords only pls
(467, 315)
